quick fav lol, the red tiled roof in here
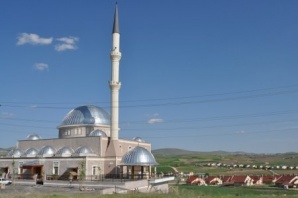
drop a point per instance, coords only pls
(191, 179)
(225, 178)
(238, 179)
(267, 179)
(208, 179)
(285, 179)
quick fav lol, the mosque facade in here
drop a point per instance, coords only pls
(88, 141)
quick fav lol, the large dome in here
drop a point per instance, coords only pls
(138, 156)
(86, 115)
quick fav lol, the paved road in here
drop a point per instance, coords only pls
(23, 188)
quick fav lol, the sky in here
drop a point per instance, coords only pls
(200, 75)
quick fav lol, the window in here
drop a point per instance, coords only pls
(94, 170)
(19, 167)
(55, 168)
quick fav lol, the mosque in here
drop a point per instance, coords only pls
(87, 143)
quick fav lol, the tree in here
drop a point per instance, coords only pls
(82, 173)
(99, 171)
(13, 163)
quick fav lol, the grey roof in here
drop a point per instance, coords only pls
(83, 150)
(64, 151)
(14, 153)
(31, 152)
(138, 139)
(46, 150)
(97, 132)
(86, 115)
(33, 136)
(138, 156)
(116, 21)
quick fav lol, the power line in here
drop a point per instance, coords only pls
(276, 90)
(224, 134)
(206, 127)
(239, 116)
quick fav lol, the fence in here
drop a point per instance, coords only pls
(92, 178)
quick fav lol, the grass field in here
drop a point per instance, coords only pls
(183, 191)
(197, 163)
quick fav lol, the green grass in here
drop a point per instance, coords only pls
(215, 191)
(197, 163)
(183, 191)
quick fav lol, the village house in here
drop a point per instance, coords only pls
(287, 181)
(195, 180)
(212, 180)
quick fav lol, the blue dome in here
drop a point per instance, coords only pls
(138, 139)
(138, 156)
(86, 115)
(98, 132)
(83, 150)
(46, 150)
(14, 153)
(33, 136)
(31, 152)
(64, 151)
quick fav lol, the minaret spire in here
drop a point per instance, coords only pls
(116, 21)
(115, 84)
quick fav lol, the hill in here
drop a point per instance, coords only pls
(176, 151)
(173, 151)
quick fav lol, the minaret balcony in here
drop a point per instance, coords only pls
(115, 55)
(115, 85)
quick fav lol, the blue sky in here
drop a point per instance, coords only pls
(197, 75)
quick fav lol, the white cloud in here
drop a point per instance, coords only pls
(34, 106)
(7, 115)
(155, 120)
(67, 43)
(41, 66)
(33, 39)
(241, 132)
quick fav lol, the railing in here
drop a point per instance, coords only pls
(91, 178)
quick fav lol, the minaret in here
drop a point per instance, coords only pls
(115, 84)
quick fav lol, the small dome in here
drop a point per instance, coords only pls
(14, 153)
(86, 115)
(138, 139)
(46, 151)
(31, 152)
(33, 136)
(83, 150)
(138, 156)
(64, 151)
(98, 132)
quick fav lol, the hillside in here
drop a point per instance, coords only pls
(4, 151)
(173, 151)
(176, 151)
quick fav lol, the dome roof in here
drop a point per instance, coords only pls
(138, 139)
(65, 151)
(97, 132)
(14, 153)
(138, 156)
(83, 150)
(46, 151)
(86, 115)
(31, 152)
(33, 136)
